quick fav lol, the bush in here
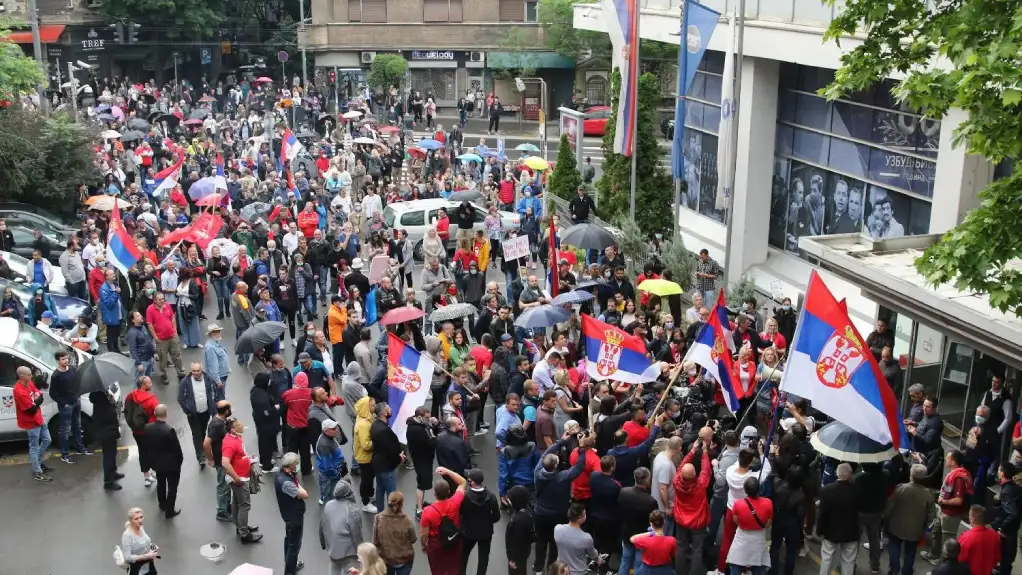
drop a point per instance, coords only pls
(566, 179)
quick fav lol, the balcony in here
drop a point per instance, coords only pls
(414, 35)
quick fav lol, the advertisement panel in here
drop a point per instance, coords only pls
(571, 124)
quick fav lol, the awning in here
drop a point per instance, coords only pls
(48, 34)
(536, 60)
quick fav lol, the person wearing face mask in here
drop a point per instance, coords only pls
(786, 318)
(6, 238)
(529, 201)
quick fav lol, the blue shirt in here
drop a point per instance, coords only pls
(38, 276)
(505, 419)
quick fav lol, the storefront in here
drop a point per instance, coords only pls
(952, 343)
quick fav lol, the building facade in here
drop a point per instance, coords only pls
(858, 167)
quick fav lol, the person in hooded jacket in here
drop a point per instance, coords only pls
(520, 532)
(421, 436)
(266, 416)
(518, 461)
(553, 495)
(363, 450)
(340, 529)
(352, 391)
(691, 509)
(106, 427)
(297, 401)
(394, 536)
(479, 512)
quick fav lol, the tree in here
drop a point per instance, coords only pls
(169, 18)
(557, 19)
(387, 70)
(653, 186)
(981, 40)
(18, 72)
(566, 179)
(520, 61)
(43, 158)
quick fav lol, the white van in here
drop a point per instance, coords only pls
(416, 216)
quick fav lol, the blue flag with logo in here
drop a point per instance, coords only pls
(697, 25)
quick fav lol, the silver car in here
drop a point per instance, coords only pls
(416, 216)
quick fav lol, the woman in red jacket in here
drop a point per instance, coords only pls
(308, 221)
(744, 377)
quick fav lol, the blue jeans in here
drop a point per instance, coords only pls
(509, 278)
(223, 294)
(405, 569)
(310, 305)
(78, 290)
(895, 548)
(71, 425)
(631, 558)
(386, 483)
(147, 367)
(738, 569)
(326, 486)
(324, 283)
(38, 442)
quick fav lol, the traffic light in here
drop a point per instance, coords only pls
(333, 76)
(133, 29)
(119, 31)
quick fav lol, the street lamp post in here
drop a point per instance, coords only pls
(74, 88)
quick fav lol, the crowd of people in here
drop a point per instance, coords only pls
(657, 477)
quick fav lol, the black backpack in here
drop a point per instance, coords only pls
(449, 532)
(135, 415)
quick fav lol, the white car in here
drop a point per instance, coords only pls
(20, 266)
(24, 345)
(416, 216)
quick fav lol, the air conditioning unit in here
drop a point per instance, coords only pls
(477, 56)
(368, 57)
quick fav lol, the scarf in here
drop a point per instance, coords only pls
(242, 301)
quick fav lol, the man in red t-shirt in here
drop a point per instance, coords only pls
(159, 316)
(636, 427)
(443, 226)
(238, 466)
(981, 545)
(28, 401)
(580, 485)
(444, 556)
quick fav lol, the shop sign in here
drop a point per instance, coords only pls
(92, 42)
(432, 55)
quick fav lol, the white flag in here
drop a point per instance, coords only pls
(725, 178)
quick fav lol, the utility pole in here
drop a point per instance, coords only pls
(74, 88)
(739, 57)
(37, 48)
(301, 45)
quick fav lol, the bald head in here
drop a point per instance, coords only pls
(706, 434)
(688, 472)
(160, 412)
(24, 373)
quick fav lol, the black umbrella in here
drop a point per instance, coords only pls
(307, 134)
(588, 236)
(259, 336)
(153, 116)
(131, 136)
(170, 119)
(198, 114)
(138, 124)
(104, 371)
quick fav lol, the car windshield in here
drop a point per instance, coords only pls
(39, 346)
(388, 216)
(23, 292)
(15, 259)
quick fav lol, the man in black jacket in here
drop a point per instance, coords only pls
(1008, 514)
(106, 427)
(387, 298)
(520, 533)
(451, 449)
(479, 511)
(553, 495)
(581, 206)
(387, 454)
(745, 334)
(166, 458)
(266, 416)
(465, 218)
(422, 440)
(357, 278)
(636, 504)
(837, 521)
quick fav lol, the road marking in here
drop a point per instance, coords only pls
(22, 458)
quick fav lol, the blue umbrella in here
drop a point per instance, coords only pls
(102, 108)
(841, 442)
(542, 316)
(526, 148)
(573, 297)
(202, 188)
(492, 154)
(470, 158)
(107, 117)
(429, 144)
(603, 287)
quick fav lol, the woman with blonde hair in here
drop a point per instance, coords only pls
(369, 558)
(433, 246)
(139, 552)
(394, 536)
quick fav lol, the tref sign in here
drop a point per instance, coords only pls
(92, 42)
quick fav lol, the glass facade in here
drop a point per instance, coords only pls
(861, 164)
(702, 121)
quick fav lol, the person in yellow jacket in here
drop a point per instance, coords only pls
(337, 321)
(481, 247)
(363, 449)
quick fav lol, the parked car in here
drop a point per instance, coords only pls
(23, 229)
(22, 345)
(594, 122)
(417, 215)
(42, 213)
(69, 309)
(20, 266)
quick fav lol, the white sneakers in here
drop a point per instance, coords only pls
(369, 508)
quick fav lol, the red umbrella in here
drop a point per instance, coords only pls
(263, 79)
(389, 130)
(210, 200)
(401, 315)
(417, 153)
(193, 122)
(207, 99)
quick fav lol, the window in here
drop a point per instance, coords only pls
(700, 151)
(354, 10)
(370, 11)
(441, 11)
(511, 11)
(413, 219)
(596, 90)
(530, 11)
(480, 216)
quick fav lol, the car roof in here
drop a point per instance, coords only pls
(9, 330)
(423, 204)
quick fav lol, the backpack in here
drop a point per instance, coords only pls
(449, 532)
(135, 414)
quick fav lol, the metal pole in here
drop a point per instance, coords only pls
(73, 90)
(301, 14)
(37, 48)
(177, 85)
(635, 147)
(546, 115)
(59, 79)
(337, 96)
(736, 105)
(678, 146)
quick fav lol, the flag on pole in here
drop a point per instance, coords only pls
(167, 178)
(623, 27)
(720, 311)
(725, 177)
(830, 364)
(697, 25)
(408, 377)
(710, 351)
(121, 251)
(555, 288)
(612, 353)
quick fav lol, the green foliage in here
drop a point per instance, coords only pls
(43, 158)
(978, 43)
(739, 291)
(682, 263)
(387, 70)
(557, 17)
(566, 179)
(653, 185)
(18, 72)
(634, 244)
(522, 61)
(172, 18)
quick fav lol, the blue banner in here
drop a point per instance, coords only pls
(697, 25)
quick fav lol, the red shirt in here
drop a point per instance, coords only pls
(24, 398)
(580, 485)
(644, 296)
(776, 339)
(743, 514)
(656, 549)
(567, 255)
(637, 433)
(981, 549)
(466, 259)
(483, 357)
(234, 451)
(161, 320)
(443, 228)
(507, 192)
(450, 508)
(308, 222)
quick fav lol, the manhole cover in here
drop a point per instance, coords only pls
(213, 552)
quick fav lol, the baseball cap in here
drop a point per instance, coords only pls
(506, 337)
(562, 262)
(304, 356)
(476, 476)
(48, 315)
(329, 424)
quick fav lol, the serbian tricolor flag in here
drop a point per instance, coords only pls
(710, 351)
(720, 312)
(830, 364)
(613, 354)
(121, 251)
(408, 376)
(200, 232)
(167, 178)
(555, 287)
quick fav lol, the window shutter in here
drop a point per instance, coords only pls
(456, 12)
(435, 11)
(354, 10)
(511, 11)
(374, 11)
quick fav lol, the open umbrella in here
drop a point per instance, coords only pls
(138, 124)
(106, 117)
(104, 371)
(306, 134)
(228, 248)
(603, 287)
(170, 119)
(368, 121)
(417, 153)
(252, 211)
(401, 315)
(466, 196)
(207, 99)
(101, 108)
(208, 201)
(250, 569)
(429, 144)
(536, 163)
(470, 158)
(588, 236)
(492, 154)
(199, 113)
(259, 336)
(364, 140)
(106, 203)
(202, 188)
(263, 80)
(389, 130)
(453, 311)
(193, 122)
(118, 113)
(131, 136)
(572, 297)
(841, 442)
(109, 134)
(527, 148)
(660, 287)
(542, 316)
(351, 115)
